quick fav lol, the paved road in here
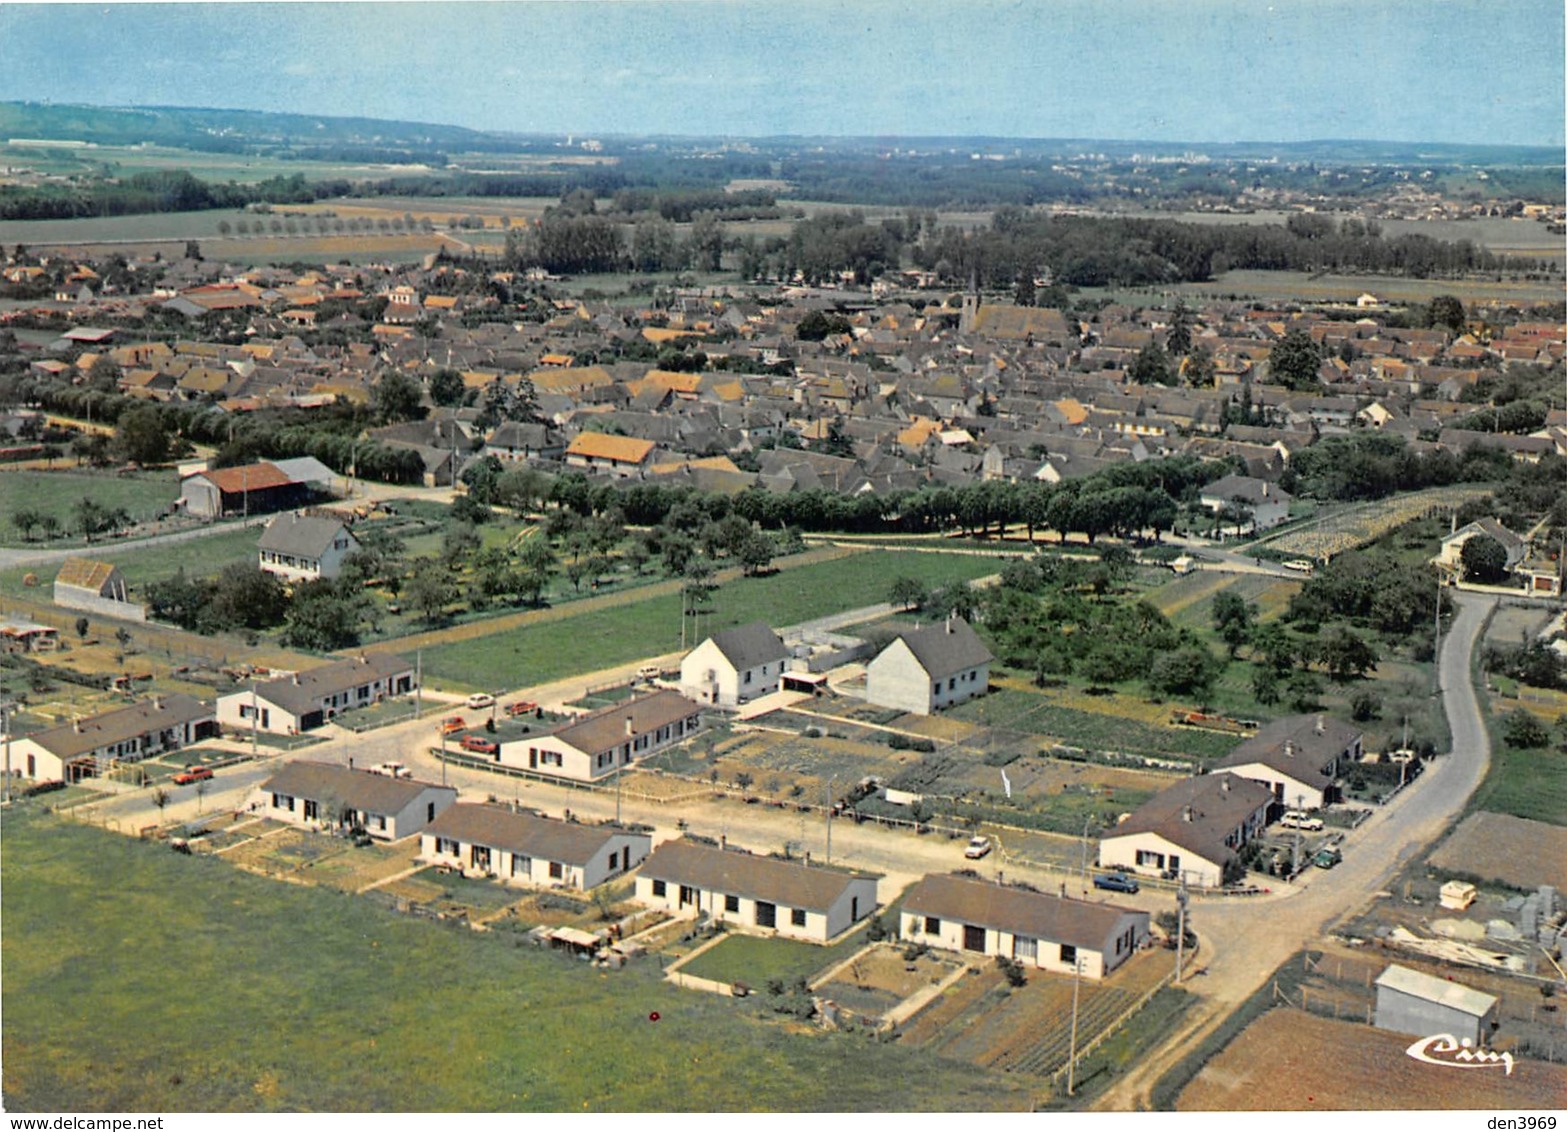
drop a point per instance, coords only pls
(1244, 942)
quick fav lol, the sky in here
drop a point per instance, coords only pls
(1463, 71)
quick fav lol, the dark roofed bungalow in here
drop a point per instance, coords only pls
(1190, 831)
(528, 848)
(91, 746)
(287, 705)
(308, 793)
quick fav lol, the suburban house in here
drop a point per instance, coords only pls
(327, 795)
(929, 668)
(287, 705)
(1412, 1002)
(302, 548)
(792, 898)
(1189, 831)
(1298, 758)
(1451, 555)
(595, 745)
(527, 848)
(251, 489)
(87, 747)
(95, 587)
(734, 666)
(619, 456)
(1266, 503)
(1052, 933)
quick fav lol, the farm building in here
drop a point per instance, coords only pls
(91, 746)
(287, 705)
(524, 848)
(792, 898)
(323, 794)
(1190, 831)
(734, 666)
(595, 745)
(1298, 758)
(252, 489)
(302, 548)
(20, 635)
(1411, 1002)
(1052, 933)
(618, 456)
(929, 668)
(95, 587)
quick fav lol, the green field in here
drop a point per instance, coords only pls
(753, 960)
(552, 650)
(1526, 784)
(1034, 712)
(143, 495)
(198, 557)
(191, 987)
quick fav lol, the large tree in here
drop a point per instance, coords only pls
(397, 397)
(1294, 360)
(1484, 559)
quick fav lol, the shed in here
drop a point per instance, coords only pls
(1412, 1002)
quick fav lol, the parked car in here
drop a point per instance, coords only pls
(1327, 858)
(479, 744)
(192, 774)
(1115, 882)
(392, 770)
(649, 672)
(481, 700)
(1299, 819)
(452, 724)
(521, 707)
(977, 848)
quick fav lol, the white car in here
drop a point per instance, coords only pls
(481, 700)
(1297, 819)
(977, 848)
(392, 770)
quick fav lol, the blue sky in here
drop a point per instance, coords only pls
(1161, 70)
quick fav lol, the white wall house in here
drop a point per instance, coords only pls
(302, 548)
(759, 894)
(91, 746)
(595, 745)
(325, 796)
(1189, 831)
(1451, 555)
(931, 668)
(1266, 503)
(304, 700)
(1298, 758)
(528, 849)
(734, 666)
(1051, 933)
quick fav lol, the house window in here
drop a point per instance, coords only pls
(932, 925)
(521, 866)
(1025, 948)
(556, 870)
(380, 821)
(1148, 857)
(446, 845)
(731, 903)
(952, 684)
(614, 860)
(659, 888)
(1069, 954)
(766, 914)
(797, 917)
(747, 677)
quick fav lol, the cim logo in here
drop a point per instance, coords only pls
(1449, 1052)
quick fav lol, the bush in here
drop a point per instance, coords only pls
(904, 743)
(1523, 729)
(1013, 970)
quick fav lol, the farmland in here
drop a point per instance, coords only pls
(1509, 850)
(143, 495)
(380, 992)
(1358, 526)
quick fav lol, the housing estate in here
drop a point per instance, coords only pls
(792, 898)
(1190, 831)
(312, 794)
(595, 745)
(304, 548)
(1297, 758)
(929, 668)
(91, 746)
(734, 666)
(287, 705)
(527, 848)
(1052, 933)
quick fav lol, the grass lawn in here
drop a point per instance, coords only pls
(753, 960)
(552, 650)
(1527, 784)
(315, 1000)
(143, 496)
(200, 557)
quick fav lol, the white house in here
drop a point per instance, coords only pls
(287, 705)
(302, 548)
(734, 666)
(325, 795)
(1451, 555)
(595, 745)
(1297, 758)
(86, 747)
(930, 668)
(791, 898)
(526, 848)
(1267, 503)
(1052, 933)
(1189, 831)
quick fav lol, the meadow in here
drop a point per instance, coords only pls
(144, 495)
(192, 987)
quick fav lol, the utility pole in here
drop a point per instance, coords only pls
(1086, 823)
(5, 731)
(418, 683)
(831, 782)
(1436, 646)
(1180, 930)
(1071, 1056)
(255, 717)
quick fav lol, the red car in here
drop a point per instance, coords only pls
(193, 774)
(480, 745)
(451, 724)
(521, 707)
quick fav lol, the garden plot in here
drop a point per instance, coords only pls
(362, 866)
(880, 979)
(1514, 625)
(286, 853)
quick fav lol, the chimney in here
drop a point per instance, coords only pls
(1186, 813)
(723, 841)
(157, 703)
(1224, 784)
(76, 726)
(630, 731)
(1289, 748)
(949, 622)
(1322, 724)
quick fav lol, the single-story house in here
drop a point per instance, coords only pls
(1052, 933)
(929, 668)
(1189, 831)
(86, 747)
(1298, 758)
(792, 898)
(734, 666)
(1412, 1002)
(287, 705)
(595, 745)
(308, 793)
(527, 848)
(303, 548)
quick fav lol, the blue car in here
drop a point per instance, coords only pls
(1115, 882)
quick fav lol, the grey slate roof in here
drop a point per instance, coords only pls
(1016, 910)
(1246, 489)
(1300, 746)
(157, 714)
(747, 646)
(947, 647)
(303, 691)
(359, 789)
(605, 729)
(304, 536)
(1198, 813)
(790, 884)
(528, 834)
